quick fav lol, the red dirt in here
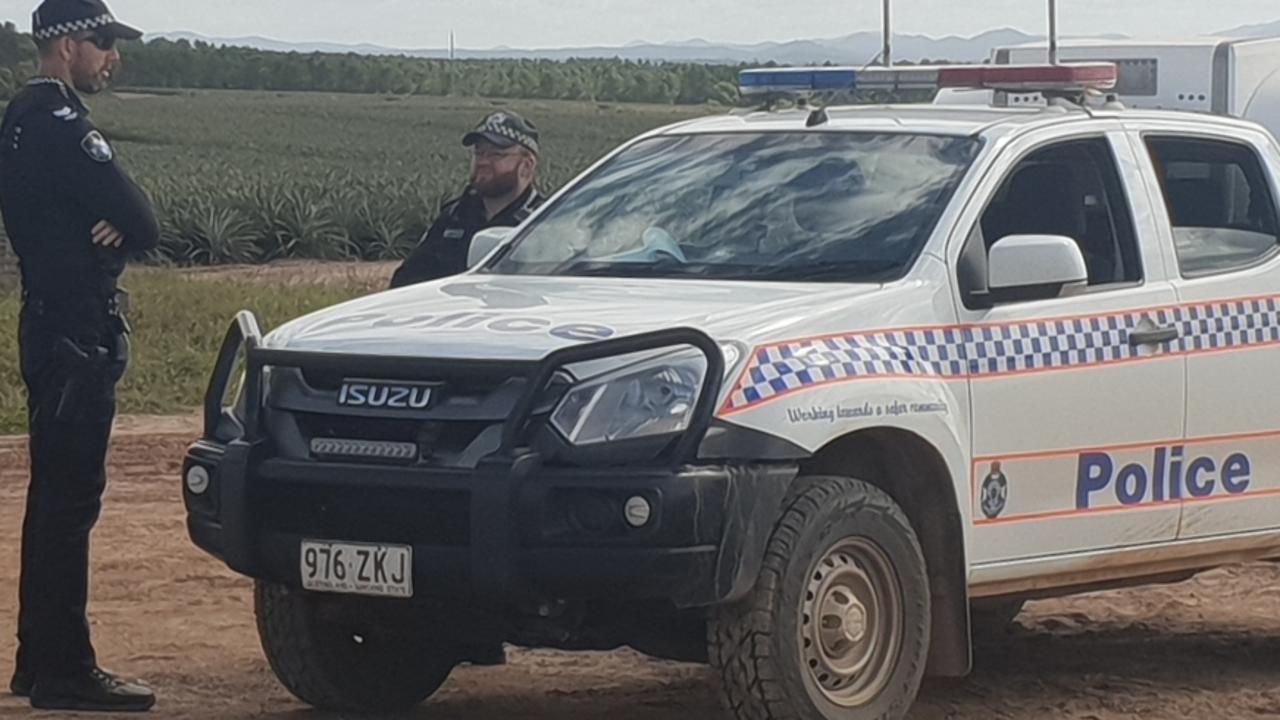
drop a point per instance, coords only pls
(1209, 648)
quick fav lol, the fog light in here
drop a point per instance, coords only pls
(197, 480)
(638, 512)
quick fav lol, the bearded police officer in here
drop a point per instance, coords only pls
(73, 217)
(504, 165)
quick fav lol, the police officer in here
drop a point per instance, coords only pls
(504, 165)
(73, 217)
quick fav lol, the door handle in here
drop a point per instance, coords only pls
(1156, 336)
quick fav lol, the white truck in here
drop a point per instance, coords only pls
(1237, 77)
(802, 394)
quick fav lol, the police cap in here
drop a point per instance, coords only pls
(55, 18)
(504, 129)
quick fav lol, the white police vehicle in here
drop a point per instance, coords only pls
(790, 392)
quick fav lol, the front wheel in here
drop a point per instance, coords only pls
(349, 653)
(837, 626)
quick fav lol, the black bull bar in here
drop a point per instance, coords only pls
(497, 477)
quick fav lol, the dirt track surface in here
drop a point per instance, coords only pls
(1209, 648)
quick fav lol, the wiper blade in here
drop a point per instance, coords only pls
(664, 268)
(852, 271)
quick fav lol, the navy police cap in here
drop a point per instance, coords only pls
(55, 18)
(505, 129)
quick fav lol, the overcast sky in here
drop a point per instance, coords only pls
(557, 23)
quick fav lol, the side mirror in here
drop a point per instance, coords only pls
(485, 242)
(1035, 266)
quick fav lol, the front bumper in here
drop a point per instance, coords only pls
(506, 531)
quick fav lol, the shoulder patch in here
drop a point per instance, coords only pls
(97, 147)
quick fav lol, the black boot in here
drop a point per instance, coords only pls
(98, 690)
(490, 655)
(20, 685)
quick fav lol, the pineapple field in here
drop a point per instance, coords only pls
(247, 177)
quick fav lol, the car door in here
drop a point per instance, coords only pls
(1220, 194)
(1076, 399)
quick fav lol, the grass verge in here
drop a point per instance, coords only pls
(179, 321)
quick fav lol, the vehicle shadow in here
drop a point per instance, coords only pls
(1021, 674)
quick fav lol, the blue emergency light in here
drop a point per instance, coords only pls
(772, 80)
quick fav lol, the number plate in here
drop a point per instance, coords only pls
(357, 568)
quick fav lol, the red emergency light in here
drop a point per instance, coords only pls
(1031, 78)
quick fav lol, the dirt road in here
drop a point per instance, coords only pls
(1205, 649)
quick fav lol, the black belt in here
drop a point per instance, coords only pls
(112, 310)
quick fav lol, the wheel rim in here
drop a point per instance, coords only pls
(852, 623)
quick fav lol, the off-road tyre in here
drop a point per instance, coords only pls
(349, 654)
(763, 665)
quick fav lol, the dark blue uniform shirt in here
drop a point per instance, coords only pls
(59, 178)
(442, 251)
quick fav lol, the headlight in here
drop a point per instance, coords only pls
(654, 398)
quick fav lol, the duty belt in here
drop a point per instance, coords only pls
(114, 308)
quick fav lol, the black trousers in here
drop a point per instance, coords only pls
(71, 406)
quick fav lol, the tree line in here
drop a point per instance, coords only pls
(181, 64)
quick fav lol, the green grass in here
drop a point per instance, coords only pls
(179, 323)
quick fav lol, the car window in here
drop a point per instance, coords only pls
(1219, 203)
(1071, 189)
(812, 206)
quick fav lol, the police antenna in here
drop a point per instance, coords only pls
(887, 53)
(1053, 31)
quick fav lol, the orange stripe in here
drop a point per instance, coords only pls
(728, 409)
(1059, 514)
(1010, 323)
(837, 381)
(1040, 455)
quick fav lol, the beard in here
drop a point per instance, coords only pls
(88, 82)
(495, 186)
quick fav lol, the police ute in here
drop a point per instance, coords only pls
(811, 395)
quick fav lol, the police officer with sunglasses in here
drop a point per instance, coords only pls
(504, 167)
(74, 217)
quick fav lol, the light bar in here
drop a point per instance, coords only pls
(773, 80)
(1073, 77)
(364, 449)
(1030, 78)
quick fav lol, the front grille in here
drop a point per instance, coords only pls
(305, 422)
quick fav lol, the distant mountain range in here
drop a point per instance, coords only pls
(1271, 29)
(856, 49)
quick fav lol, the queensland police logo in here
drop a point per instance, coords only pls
(97, 147)
(995, 492)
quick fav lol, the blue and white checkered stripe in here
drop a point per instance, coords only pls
(1226, 325)
(72, 26)
(993, 350)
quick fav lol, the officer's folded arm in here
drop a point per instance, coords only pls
(98, 182)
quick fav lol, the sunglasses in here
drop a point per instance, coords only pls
(487, 154)
(105, 43)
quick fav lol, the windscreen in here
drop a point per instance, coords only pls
(805, 206)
